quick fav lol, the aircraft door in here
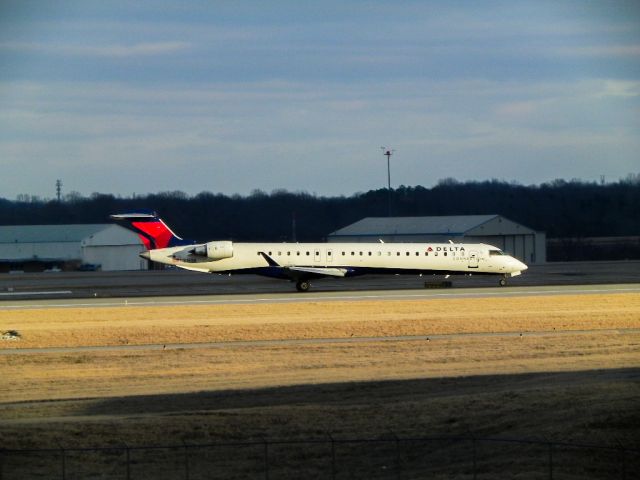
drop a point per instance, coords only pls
(473, 259)
(329, 256)
(317, 257)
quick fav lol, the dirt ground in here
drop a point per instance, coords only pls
(560, 367)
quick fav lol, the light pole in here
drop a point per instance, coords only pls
(388, 152)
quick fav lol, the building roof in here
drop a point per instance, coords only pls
(49, 233)
(442, 225)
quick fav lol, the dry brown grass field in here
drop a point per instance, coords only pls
(571, 375)
(133, 325)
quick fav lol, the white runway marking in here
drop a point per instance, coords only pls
(319, 297)
(22, 294)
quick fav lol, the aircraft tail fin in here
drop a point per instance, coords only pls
(153, 232)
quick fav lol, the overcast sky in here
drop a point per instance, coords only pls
(137, 97)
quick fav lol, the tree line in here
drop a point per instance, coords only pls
(562, 209)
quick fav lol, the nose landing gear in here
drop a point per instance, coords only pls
(503, 281)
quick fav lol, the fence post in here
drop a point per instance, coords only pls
(333, 458)
(398, 462)
(623, 453)
(266, 459)
(128, 456)
(64, 461)
(475, 456)
(186, 460)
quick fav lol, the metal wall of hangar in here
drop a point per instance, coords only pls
(522, 242)
(113, 248)
(39, 247)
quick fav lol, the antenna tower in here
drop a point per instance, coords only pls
(387, 152)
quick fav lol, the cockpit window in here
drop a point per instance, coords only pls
(496, 252)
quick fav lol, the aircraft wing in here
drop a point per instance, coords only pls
(294, 272)
(325, 271)
(194, 269)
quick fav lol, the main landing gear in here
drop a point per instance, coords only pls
(303, 285)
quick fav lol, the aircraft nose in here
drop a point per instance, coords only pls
(521, 265)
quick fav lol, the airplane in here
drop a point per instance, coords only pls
(303, 262)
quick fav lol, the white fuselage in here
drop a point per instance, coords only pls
(348, 258)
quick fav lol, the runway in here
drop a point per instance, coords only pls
(273, 298)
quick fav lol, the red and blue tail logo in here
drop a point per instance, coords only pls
(153, 232)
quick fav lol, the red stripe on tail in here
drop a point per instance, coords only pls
(157, 230)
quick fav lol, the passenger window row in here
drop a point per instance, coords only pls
(360, 253)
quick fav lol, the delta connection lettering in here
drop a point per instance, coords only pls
(451, 248)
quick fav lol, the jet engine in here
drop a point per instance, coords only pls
(214, 250)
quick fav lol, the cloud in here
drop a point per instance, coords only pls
(601, 51)
(620, 88)
(192, 136)
(134, 50)
(517, 109)
(303, 96)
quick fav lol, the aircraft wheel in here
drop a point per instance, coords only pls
(303, 286)
(502, 282)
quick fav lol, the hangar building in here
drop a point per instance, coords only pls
(40, 247)
(517, 240)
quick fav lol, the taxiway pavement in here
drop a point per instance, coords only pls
(169, 283)
(319, 296)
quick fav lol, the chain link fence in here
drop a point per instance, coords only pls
(389, 457)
